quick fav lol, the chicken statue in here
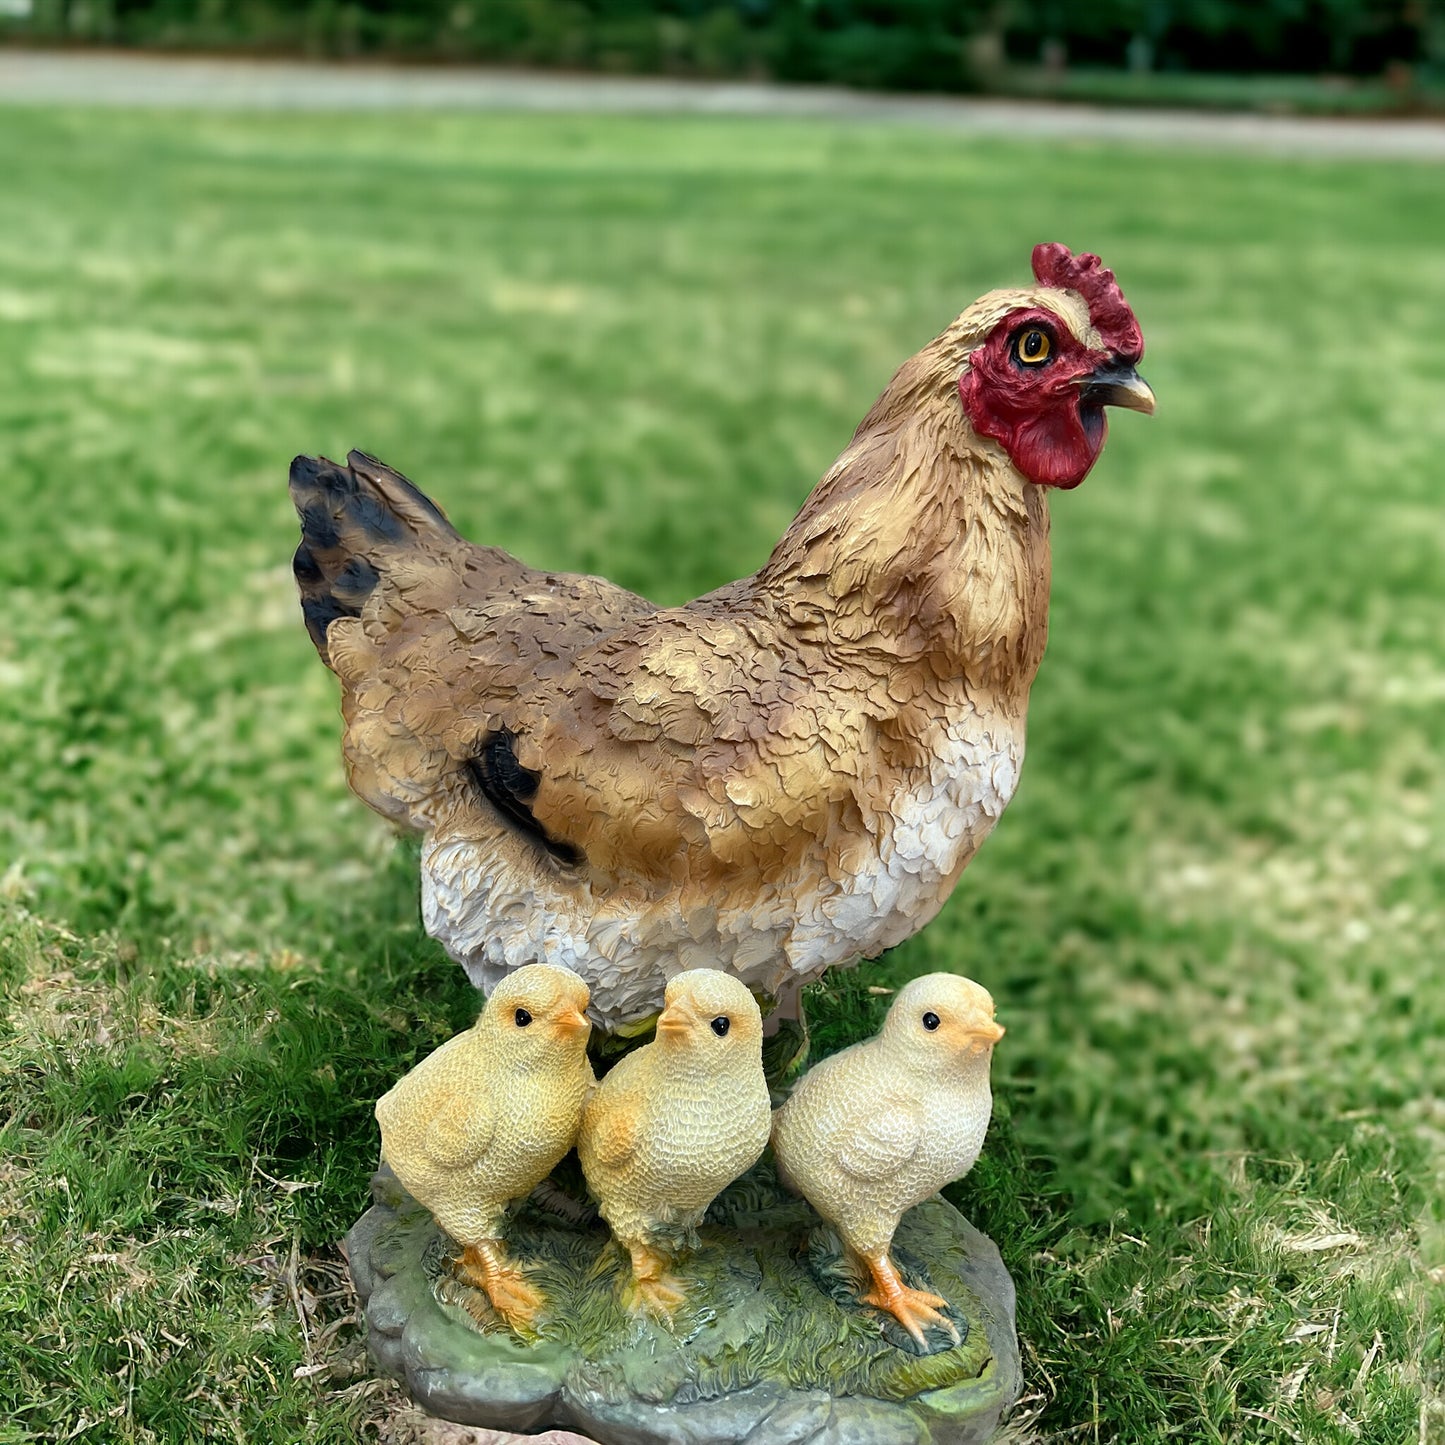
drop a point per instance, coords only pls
(879, 1127)
(483, 1120)
(788, 773)
(674, 1124)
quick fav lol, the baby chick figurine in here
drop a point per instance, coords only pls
(483, 1120)
(673, 1125)
(881, 1126)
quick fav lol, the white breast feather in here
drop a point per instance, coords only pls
(493, 916)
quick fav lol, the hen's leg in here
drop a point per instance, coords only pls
(789, 1007)
(485, 1266)
(912, 1308)
(785, 1038)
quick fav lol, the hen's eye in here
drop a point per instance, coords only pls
(1033, 347)
(720, 1026)
(523, 1018)
(930, 1021)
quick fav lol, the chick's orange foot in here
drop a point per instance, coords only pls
(653, 1288)
(486, 1268)
(788, 773)
(914, 1309)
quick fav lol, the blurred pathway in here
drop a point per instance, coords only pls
(131, 79)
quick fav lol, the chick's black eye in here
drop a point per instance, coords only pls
(1032, 346)
(930, 1021)
(720, 1026)
(523, 1018)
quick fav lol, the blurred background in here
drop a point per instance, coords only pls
(1312, 55)
(1214, 915)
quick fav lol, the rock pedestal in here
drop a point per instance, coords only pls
(769, 1348)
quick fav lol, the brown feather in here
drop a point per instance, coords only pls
(711, 777)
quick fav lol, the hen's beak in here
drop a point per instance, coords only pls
(987, 1033)
(1116, 383)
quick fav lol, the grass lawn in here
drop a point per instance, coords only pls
(1213, 918)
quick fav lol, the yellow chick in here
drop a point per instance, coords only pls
(483, 1120)
(881, 1126)
(675, 1123)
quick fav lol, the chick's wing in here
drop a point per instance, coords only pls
(614, 1137)
(441, 1112)
(461, 1130)
(883, 1143)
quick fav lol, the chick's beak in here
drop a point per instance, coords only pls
(673, 1020)
(988, 1032)
(1116, 383)
(573, 1021)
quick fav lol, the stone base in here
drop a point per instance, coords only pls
(769, 1348)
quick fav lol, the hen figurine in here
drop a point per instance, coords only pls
(786, 774)
(881, 1126)
(673, 1125)
(483, 1120)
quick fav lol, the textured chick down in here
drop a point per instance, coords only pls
(786, 774)
(883, 1125)
(483, 1120)
(679, 1119)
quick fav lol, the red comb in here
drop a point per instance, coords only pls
(1110, 313)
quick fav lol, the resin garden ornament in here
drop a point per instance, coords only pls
(880, 1127)
(763, 1333)
(632, 810)
(482, 1121)
(674, 1124)
(788, 773)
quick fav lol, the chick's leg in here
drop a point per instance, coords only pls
(485, 1266)
(653, 1287)
(912, 1308)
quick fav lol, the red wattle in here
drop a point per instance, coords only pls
(1044, 435)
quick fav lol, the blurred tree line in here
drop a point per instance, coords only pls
(897, 44)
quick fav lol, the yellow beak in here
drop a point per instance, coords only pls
(988, 1033)
(574, 1022)
(672, 1020)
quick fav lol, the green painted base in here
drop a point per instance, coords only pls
(770, 1345)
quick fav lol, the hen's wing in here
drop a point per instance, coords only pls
(686, 727)
(605, 731)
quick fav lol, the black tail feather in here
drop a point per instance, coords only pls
(353, 518)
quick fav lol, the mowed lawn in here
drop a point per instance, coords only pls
(1213, 918)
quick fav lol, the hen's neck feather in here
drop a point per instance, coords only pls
(922, 542)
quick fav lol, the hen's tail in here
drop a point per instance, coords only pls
(356, 520)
